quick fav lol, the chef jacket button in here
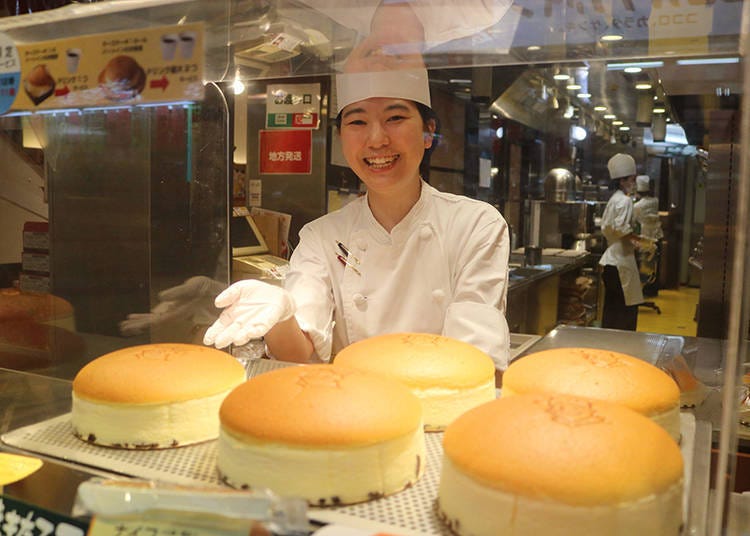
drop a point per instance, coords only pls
(425, 233)
(438, 294)
(362, 244)
(359, 300)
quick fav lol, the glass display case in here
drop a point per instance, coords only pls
(115, 189)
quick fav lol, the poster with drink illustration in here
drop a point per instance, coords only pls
(152, 65)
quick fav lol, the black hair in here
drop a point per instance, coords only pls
(427, 114)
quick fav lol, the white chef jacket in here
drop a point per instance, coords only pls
(443, 269)
(617, 222)
(646, 212)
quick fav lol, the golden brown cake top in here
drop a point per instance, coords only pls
(566, 449)
(420, 360)
(38, 306)
(594, 373)
(158, 373)
(321, 405)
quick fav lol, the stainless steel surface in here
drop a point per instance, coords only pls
(532, 255)
(646, 346)
(561, 184)
(719, 226)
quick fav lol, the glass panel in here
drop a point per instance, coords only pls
(533, 97)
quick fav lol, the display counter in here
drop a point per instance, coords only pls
(534, 291)
(29, 401)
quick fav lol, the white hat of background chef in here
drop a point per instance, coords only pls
(411, 84)
(642, 183)
(621, 165)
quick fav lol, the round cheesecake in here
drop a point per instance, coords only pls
(331, 435)
(560, 466)
(37, 306)
(27, 345)
(449, 376)
(600, 374)
(153, 396)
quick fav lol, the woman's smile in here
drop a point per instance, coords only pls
(381, 162)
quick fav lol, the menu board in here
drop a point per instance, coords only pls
(149, 65)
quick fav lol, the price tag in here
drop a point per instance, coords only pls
(10, 72)
(162, 527)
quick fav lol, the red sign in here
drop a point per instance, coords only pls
(286, 151)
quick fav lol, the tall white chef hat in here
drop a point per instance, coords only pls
(411, 84)
(621, 165)
(642, 183)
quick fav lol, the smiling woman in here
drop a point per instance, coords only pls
(384, 141)
(458, 285)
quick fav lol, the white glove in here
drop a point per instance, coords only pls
(252, 309)
(194, 299)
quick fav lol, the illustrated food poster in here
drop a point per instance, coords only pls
(121, 68)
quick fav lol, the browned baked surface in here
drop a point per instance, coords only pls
(158, 373)
(420, 360)
(595, 373)
(569, 449)
(321, 405)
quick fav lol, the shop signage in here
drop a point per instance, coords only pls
(18, 518)
(285, 151)
(10, 72)
(151, 65)
(293, 106)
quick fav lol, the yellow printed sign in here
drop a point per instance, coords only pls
(113, 69)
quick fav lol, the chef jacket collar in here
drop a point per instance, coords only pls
(401, 232)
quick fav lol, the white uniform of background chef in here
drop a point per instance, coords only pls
(646, 209)
(646, 213)
(621, 277)
(418, 259)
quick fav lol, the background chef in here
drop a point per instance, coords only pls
(404, 257)
(646, 214)
(622, 283)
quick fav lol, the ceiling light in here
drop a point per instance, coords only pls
(459, 81)
(627, 65)
(609, 116)
(532, 48)
(707, 61)
(573, 86)
(600, 108)
(611, 37)
(633, 69)
(561, 76)
(659, 109)
(584, 95)
(578, 133)
(643, 85)
(238, 86)
(616, 123)
(625, 128)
